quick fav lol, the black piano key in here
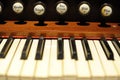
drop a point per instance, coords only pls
(40, 48)
(6, 47)
(73, 48)
(86, 48)
(116, 45)
(26, 48)
(107, 49)
(60, 52)
(0, 40)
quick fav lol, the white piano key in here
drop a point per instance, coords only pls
(83, 70)
(42, 66)
(69, 66)
(108, 65)
(16, 64)
(116, 57)
(1, 46)
(95, 64)
(55, 67)
(28, 70)
(5, 62)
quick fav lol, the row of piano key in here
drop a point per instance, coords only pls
(29, 59)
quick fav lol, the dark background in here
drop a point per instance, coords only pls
(51, 14)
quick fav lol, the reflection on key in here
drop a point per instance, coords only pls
(73, 48)
(40, 48)
(86, 48)
(107, 49)
(6, 47)
(26, 48)
(60, 52)
(116, 45)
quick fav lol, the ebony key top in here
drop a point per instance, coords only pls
(73, 48)
(6, 47)
(26, 48)
(60, 52)
(86, 48)
(1, 40)
(107, 49)
(116, 45)
(40, 48)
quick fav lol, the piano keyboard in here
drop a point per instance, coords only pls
(58, 59)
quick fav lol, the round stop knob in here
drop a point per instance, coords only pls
(84, 8)
(18, 7)
(61, 7)
(106, 10)
(39, 8)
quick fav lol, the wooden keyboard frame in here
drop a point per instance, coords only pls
(52, 30)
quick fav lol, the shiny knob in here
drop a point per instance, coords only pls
(84, 8)
(18, 7)
(1, 7)
(61, 7)
(39, 8)
(106, 10)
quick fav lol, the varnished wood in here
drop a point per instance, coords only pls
(52, 30)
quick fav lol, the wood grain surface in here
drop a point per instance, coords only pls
(53, 30)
